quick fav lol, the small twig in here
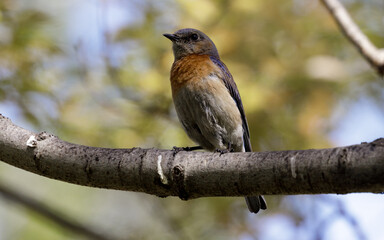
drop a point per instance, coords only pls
(374, 55)
(49, 213)
(339, 213)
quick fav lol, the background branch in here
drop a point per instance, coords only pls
(50, 213)
(356, 168)
(374, 55)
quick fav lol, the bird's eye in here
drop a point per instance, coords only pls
(194, 37)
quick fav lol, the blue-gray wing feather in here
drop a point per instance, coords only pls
(232, 88)
(254, 203)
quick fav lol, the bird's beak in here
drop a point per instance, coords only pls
(171, 37)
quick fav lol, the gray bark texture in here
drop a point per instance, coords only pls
(356, 168)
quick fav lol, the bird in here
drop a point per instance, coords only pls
(207, 100)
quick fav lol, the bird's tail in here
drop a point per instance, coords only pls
(255, 203)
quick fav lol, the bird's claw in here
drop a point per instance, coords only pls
(223, 151)
(176, 150)
(188, 149)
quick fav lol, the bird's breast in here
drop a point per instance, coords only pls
(196, 81)
(204, 105)
(190, 70)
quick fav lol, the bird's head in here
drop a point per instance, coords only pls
(189, 41)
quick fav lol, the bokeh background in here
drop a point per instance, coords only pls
(96, 72)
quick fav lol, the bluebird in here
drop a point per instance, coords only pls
(206, 98)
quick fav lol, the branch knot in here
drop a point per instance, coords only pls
(178, 176)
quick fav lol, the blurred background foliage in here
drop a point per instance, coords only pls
(97, 73)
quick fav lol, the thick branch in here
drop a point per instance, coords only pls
(355, 35)
(357, 168)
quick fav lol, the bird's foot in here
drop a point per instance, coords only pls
(223, 151)
(188, 149)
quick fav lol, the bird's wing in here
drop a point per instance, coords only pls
(232, 88)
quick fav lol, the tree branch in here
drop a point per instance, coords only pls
(374, 55)
(356, 168)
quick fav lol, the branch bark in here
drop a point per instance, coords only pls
(356, 168)
(374, 55)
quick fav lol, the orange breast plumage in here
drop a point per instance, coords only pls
(190, 70)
